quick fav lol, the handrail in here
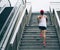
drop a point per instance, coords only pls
(7, 20)
(57, 17)
(57, 24)
(9, 2)
(17, 28)
(29, 10)
(9, 25)
(9, 29)
(5, 26)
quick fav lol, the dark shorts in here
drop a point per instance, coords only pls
(42, 27)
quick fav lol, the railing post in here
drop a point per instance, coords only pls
(29, 11)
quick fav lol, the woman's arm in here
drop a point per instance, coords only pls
(46, 19)
(38, 18)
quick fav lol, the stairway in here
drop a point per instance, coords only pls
(31, 40)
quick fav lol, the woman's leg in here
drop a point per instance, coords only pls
(44, 37)
(41, 33)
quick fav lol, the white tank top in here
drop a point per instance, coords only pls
(42, 21)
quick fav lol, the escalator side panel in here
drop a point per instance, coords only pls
(3, 17)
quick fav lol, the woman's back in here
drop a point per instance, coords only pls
(42, 20)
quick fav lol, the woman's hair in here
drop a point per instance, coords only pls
(41, 12)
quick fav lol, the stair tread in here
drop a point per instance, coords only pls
(39, 38)
(38, 34)
(39, 31)
(43, 48)
(39, 46)
(37, 25)
(28, 36)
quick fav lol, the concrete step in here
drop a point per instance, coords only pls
(39, 37)
(35, 41)
(37, 26)
(38, 33)
(39, 47)
(38, 30)
(35, 44)
(34, 38)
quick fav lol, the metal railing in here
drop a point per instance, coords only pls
(19, 28)
(29, 10)
(6, 27)
(9, 2)
(56, 22)
(13, 28)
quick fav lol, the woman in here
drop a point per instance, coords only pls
(42, 20)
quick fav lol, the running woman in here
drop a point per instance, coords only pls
(42, 20)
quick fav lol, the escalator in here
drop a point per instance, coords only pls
(10, 17)
(3, 17)
(30, 39)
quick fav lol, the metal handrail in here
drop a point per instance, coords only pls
(15, 32)
(5, 26)
(57, 17)
(55, 20)
(57, 24)
(54, 17)
(7, 20)
(9, 29)
(9, 2)
(10, 16)
(19, 28)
